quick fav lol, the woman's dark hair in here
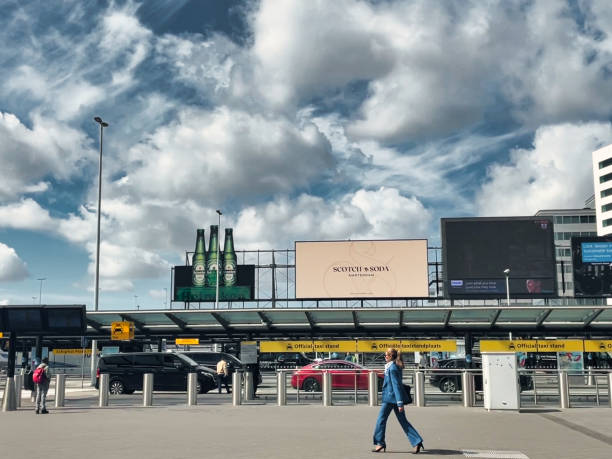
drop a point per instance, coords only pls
(396, 357)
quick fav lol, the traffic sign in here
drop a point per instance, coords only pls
(72, 351)
(122, 331)
(597, 345)
(187, 341)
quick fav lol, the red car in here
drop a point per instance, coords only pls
(343, 376)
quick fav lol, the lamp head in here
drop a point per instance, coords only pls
(219, 212)
(98, 120)
(507, 271)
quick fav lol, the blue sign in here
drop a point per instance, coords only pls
(596, 252)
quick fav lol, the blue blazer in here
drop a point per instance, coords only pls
(392, 388)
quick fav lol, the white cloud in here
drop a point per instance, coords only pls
(4, 302)
(227, 154)
(26, 214)
(12, 268)
(556, 173)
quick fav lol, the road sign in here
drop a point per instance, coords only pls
(307, 346)
(72, 351)
(187, 341)
(532, 345)
(404, 345)
(122, 331)
(592, 345)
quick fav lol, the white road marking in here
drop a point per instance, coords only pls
(492, 454)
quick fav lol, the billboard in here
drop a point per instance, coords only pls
(361, 269)
(476, 251)
(198, 281)
(592, 260)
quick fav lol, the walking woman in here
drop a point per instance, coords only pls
(392, 400)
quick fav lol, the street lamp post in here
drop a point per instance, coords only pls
(94, 343)
(165, 297)
(41, 279)
(218, 261)
(507, 273)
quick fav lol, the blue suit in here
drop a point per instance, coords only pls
(392, 391)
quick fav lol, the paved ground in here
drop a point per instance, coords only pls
(219, 430)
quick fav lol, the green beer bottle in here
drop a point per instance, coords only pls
(212, 260)
(229, 259)
(198, 262)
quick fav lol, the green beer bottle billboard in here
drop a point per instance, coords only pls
(229, 259)
(212, 260)
(198, 261)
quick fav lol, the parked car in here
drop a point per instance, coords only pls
(344, 375)
(210, 359)
(169, 372)
(451, 381)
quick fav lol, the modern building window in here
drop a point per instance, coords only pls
(605, 178)
(605, 163)
(571, 218)
(606, 208)
(607, 222)
(607, 192)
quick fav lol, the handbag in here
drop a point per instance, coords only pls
(406, 397)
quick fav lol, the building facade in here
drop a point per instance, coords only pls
(570, 223)
(602, 184)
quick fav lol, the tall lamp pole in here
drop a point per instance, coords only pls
(507, 273)
(218, 261)
(41, 279)
(94, 343)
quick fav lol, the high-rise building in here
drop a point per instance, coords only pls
(602, 184)
(569, 223)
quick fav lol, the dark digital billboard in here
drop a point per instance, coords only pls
(184, 289)
(477, 251)
(592, 260)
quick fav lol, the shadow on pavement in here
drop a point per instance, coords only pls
(538, 411)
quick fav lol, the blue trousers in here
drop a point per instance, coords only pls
(381, 425)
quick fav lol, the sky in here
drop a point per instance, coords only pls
(301, 120)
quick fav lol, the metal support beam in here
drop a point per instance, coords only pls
(447, 318)
(355, 320)
(311, 322)
(543, 317)
(180, 323)
(138, 324)
(224, 323)
(494, 319)
(265, 320)
(95, 325)
(592, 317)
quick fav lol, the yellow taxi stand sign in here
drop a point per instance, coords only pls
(187, 341)
(365, 346)
(593, 345)
(72, 351)
(122, 331)
(532, 345)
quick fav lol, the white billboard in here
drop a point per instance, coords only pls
(361, 269)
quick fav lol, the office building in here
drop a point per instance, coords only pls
(602, 184)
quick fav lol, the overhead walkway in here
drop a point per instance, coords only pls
(560, 321)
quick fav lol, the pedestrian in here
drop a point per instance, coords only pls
(42, 378)
(393, 400)
(222, 375)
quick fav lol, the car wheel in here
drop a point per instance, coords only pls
(448, 385)
(116, 387)
(311, 385)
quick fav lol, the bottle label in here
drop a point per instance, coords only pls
(198, 274)
(229, 275)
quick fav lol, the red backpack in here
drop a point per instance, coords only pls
(39, 375)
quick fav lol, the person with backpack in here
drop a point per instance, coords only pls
(394, 398)
(41, 378)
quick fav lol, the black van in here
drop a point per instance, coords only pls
(211, 358)
(170, 372)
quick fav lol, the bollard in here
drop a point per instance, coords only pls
(281, 388)
(236, 388)
(248, 385)
(147, 389)
(327, 389)
(103, 388)
(610, 389)
(18, 387)
(419, 394)
(192, 389)
(60, 390)
(372, 388)
(590, 376)
(8, 402)
(467, 384)
(564, 389)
